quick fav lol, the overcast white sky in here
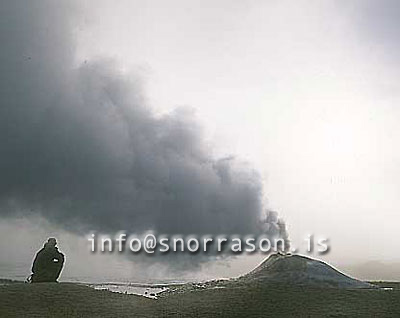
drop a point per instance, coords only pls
(307, 91)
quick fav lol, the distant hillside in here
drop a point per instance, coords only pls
(375, 270)
(4, 281)
(301, 270)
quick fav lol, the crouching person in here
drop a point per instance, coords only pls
(48, 263)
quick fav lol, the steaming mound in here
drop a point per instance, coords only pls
(301, 270)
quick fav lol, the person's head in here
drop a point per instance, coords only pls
(51, 242)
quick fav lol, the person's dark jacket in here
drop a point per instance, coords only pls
(47, 265)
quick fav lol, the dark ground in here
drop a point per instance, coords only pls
(255, 300)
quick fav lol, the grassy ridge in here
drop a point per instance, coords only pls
(255, 300)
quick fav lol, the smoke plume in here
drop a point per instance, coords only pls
(81, 147)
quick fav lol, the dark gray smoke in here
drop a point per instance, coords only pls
(80, 147)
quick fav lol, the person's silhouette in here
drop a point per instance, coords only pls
(48, 263)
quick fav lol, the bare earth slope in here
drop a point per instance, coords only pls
(247, 300)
